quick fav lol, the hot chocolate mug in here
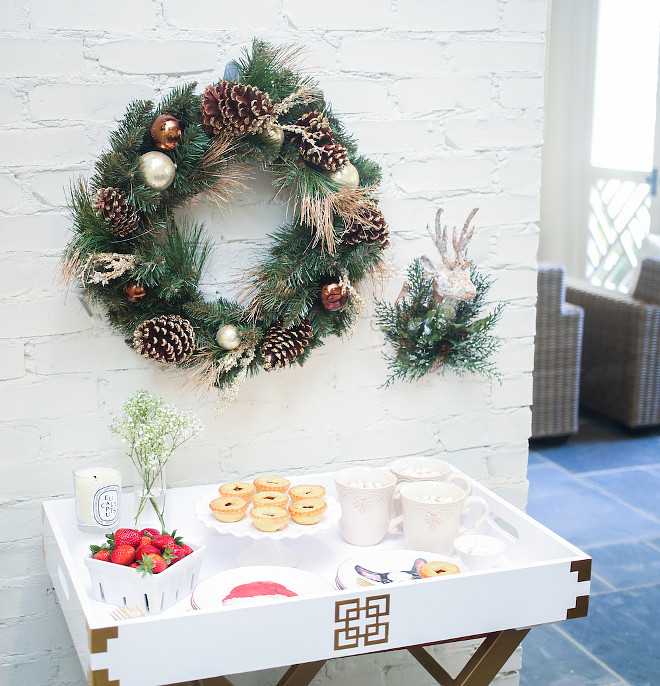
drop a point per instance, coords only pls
(420, 468)
(408, 469)
(365, 495)
(432, 512)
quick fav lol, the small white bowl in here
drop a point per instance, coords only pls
(479, 551)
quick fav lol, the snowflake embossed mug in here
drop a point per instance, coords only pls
(432, 512)
(365, 495)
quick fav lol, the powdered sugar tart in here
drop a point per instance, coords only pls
(256, 585)
(245, 527)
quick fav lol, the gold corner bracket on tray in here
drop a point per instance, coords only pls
(98, 643)
(99, 677)
(581, 607)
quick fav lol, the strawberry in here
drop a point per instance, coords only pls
(177, 553)
(145, 540)
(152, 564)
(134, 565)
(168, 555)
(152, 533)
(146, 550)
(163, 541)
(103, 554)
(123, 555)
(127, 537)
(186, 549)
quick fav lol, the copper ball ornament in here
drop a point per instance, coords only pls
(228, 337)
(157, 169)
(346, 176)
(166, 132)
(134, 291)
(333, 297)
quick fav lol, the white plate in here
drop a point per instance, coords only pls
(384, 567)
(246, 528)
(208, 594)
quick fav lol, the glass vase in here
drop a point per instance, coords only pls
(150, 490)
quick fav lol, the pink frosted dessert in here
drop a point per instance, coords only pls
(256, 592)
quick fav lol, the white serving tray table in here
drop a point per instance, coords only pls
(544, 579)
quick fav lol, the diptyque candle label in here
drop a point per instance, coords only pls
(105, 505)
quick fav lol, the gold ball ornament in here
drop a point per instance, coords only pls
(333, 297)
(274, 135)
(228, 337)
(157, 169)
(346, 176)
(166, 132)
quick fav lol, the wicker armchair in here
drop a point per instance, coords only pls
(621, 350)
(557, 351)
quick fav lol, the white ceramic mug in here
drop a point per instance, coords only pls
(365, 496)
(420, 468)
(433, 526)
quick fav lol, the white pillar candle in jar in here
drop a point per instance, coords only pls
(98, 493)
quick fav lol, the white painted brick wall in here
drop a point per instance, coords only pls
(152, 56)
(446, 95)
(34, 57)
(498, 56)
(447, 15)
(437, 93)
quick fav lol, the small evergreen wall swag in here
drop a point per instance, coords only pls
(129, 253)
(434, 323)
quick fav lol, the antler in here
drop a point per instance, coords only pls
(460, 244)
(439, 236)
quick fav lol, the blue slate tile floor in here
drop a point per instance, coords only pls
(600, 490)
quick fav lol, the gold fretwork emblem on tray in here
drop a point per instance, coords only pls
(362, 621)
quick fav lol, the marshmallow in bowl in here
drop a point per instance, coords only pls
(480, 545)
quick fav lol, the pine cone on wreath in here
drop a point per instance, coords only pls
(282, 346)
(369, 226)
(113, 206)
(329, 156)
(313, 136)
(313, 123)
(237, 109)
(169, 339)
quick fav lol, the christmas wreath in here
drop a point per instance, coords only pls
(130, 253)
(434, 324)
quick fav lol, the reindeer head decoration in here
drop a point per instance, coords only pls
(451, 279)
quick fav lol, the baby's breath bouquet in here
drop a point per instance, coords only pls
(153, 431)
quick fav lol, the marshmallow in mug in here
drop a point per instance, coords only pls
(438, 499)
(423, 472)
(420, 468)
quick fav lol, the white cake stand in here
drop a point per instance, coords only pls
(267, 548)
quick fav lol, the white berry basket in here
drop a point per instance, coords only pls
(153, 593)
